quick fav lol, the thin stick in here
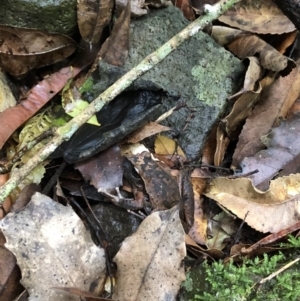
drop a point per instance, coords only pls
(65, 132)
(279, 271)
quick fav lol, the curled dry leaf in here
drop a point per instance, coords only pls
(22, 49)
(258, 16)
(274, 104)
(115, 49)
(269, 57)
(225, 35)
(269, 211)
(150, 261)
(244, 105)
(93, 16)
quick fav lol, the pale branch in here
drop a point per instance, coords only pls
(65, 132)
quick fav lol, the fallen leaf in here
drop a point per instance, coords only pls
(269, 211)
(166, 146)
(274, 104)
(269, 57)
(23, 49)
(93, 16)
(50, 243)
(152, 256)
(186, 8)
(148, 130)
(115, 49)
(198, 230)
(225, 35)
(37, 97)
(281, 158)
(138, 7)
(10, 275)
(258, 16)
(104, 170)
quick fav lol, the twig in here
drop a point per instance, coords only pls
(65, 132)
(279, 271)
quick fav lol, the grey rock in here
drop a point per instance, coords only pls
(51, 15)
(200, 71)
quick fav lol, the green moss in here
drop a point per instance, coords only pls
(241, 282)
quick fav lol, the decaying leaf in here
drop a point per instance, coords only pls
(269, 57)
(269, 211)
(186, 8)
(225, 35)
(166, 146)
(150, 261)
(282, 155)
(258, 16)
(146, 131)
(198, 230)
(54, 244)
(10, 275)
(37, 97)
(104, 170)
(274, 104)
(137, 7)
(22, 49)
(93, 16)
(115, 49)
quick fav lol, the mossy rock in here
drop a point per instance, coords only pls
(200, 71)
(51, 15)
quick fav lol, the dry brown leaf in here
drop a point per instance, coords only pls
(282, 156)
(22, 49)
(37, 97)
(186, 8)
(269, 57)
(258, 16)
(288, 40)
(198, 230)
(150, 129)
(230, 126)
(93, 16)
(166, 146)
(138, 7)
(152, 256)
(10, 275)
(221, 147)
(225, 35)
(104, 170)
(54, 244)
(115, 49)
(273, 106)
(270, 211)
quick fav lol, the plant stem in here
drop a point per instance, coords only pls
(65, 132)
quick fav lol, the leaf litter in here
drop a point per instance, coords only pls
(266, 143)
